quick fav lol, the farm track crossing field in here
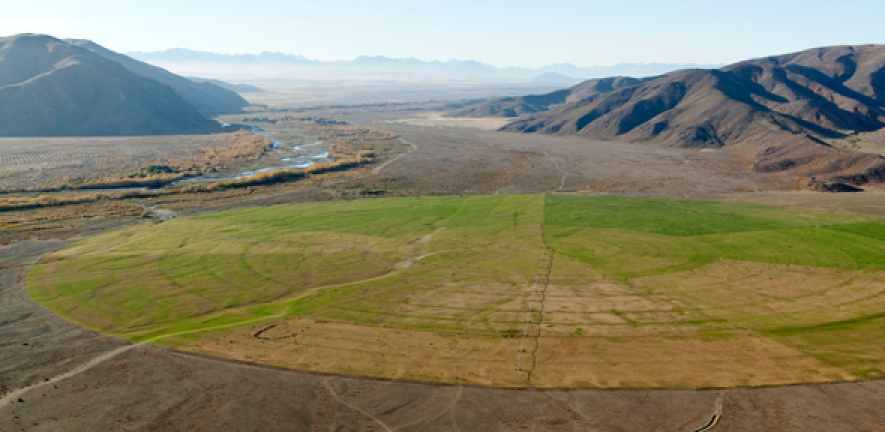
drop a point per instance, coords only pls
(641, 292)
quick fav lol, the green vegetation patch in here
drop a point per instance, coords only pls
(682, 217)
(817, 247)
(620, 253)
(684, 269)
(631, 237)
(857, 345)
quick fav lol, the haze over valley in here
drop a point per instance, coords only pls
(278, 65)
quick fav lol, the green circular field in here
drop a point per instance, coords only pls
(550, 291)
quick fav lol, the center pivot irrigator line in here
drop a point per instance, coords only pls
(528, 316)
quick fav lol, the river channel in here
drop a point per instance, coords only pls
(290, 157)
(287, 156)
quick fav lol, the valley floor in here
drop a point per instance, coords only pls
(151, 387)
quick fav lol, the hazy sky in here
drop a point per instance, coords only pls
(527, 33)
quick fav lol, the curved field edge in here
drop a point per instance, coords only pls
(635, 295)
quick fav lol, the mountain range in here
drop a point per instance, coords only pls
(276, 65)
(782, 114)
(793, 115)
(51, 87)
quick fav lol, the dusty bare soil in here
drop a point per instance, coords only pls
(461, 160)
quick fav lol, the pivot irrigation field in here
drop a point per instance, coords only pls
(630, 292)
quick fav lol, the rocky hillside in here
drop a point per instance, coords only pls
(787, 113)
(49, 87)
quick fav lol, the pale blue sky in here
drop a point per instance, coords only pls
(503, 33)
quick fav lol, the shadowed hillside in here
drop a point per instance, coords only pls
(206, 97)
(51, 88)
(777, 114)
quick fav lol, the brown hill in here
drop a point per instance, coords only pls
(51, 88)
(520, 105)
(778, 114)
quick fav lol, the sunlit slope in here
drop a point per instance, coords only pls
(633, 292)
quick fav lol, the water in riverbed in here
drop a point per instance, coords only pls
(299, 157)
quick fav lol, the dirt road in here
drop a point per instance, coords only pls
(381, 167)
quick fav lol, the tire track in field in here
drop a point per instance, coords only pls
(558, 168)
(354, 407)
(18, 393)
(385, 164)
(717, 414)
(542, 280)
(545, 283)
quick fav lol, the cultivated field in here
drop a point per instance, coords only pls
(631, 292)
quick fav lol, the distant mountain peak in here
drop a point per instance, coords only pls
(380, 64)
